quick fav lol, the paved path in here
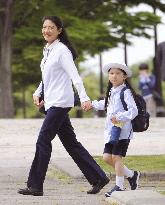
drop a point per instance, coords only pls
(17, 147)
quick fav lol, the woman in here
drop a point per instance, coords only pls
(58, 73)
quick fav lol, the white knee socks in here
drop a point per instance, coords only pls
(128, 172)
(120, 182)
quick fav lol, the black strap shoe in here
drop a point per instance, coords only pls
(115, 188)
(31, 191)
(97, 187)
(134, 181)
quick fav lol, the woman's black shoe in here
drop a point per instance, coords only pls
(30, 191)
(97, 187)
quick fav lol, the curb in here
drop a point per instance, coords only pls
(152, 176)
(136, 197)
(71, 169)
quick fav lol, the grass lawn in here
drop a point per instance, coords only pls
(162, 192)
(144, 163)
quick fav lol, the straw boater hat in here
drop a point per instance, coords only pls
(121, 66)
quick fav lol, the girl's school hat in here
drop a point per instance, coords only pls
(121, 66)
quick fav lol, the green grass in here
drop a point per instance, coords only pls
(162, 192)
(145, 163)
(55, 173)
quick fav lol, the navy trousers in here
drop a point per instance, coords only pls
(57, 122)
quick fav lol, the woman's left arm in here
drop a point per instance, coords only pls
(67, 63)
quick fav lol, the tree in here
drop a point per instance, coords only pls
(6, 100)
(92, 29)
(88, 36)
(156, 5)
(27, 50)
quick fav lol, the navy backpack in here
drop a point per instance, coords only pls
(141, 122)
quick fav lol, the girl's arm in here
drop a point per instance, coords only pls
(98, 105)
(132, 111)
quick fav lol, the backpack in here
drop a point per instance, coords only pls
(141, 122)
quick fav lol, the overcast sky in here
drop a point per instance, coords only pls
(140, 50)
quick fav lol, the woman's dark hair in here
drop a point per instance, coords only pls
(63, 35)
(108, 92)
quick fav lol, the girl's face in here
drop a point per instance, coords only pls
(50, 31)
(116, 77)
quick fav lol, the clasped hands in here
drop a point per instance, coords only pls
(87, 105)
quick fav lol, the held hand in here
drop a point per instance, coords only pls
(86, 105)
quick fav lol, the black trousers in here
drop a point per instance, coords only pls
(57, 122)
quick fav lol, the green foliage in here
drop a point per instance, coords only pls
(24, 107)
(91, 83)
(93, 27)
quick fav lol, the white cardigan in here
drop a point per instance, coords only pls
(115, 108)
(58, 73)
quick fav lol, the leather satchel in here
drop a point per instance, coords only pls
(42, 109)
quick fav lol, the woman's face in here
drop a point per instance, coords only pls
(50, 31)
(116, 77)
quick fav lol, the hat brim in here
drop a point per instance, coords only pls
(107, 67)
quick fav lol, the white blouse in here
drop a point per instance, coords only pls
(58, 73)
(115, 108)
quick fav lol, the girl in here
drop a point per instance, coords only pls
(58, 73)
(119, 118)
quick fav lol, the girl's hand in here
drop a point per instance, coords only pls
(113, 120)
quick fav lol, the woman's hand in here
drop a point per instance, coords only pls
(37, 102)
(87, 105)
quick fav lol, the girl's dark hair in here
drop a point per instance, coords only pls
(63, 35)
(108, 92)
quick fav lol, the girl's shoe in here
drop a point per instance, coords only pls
(134, 181)
(116, 188)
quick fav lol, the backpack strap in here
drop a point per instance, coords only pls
(124, 104)
(122, 98)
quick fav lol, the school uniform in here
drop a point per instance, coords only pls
(58, 73)
(115, 108)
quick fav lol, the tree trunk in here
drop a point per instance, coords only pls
(24, 102)
(6, 99)
(101, 113)
(157, 71)
(101, 74)
(125, 49)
